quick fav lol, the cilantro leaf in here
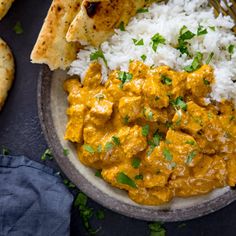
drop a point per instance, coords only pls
(98, 54)
(157, 229)
(47, 155)
(209, 58)
(145, 130)
(139, 177)
(138, 42)
(179, 103)
(122, 178)
(190, 157)
(88, 148)
(136, 162)
(108, 146)
(201, 30)
(142, 10)
(116, 140)
(65, 152)
(124, 77)
(156, 40)
(18, 28)
(144, 57)
(231, 49)
(196, 64)
(122, 26)
(168, 156)
(166, 80)
(98, 173)
(100, 215)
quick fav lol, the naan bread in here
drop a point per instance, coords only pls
(4, 7)
(7, 71)
(97, 19)
(51, 47)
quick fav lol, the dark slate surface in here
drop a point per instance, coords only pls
(20, 131)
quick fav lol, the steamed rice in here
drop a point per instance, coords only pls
(167, 20)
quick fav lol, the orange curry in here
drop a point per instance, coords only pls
(151, 132)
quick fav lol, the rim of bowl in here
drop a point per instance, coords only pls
(148, 214)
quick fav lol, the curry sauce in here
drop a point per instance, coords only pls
(152, 131)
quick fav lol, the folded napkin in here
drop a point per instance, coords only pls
(33, 200)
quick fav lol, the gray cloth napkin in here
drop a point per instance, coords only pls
(33, 200)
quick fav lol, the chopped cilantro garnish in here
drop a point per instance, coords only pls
(150, 115)
(126, 120)
(99, 148)
(181, 225)
(139, 177)
(138, 42)
(18, 28)
(100, 215)
(98, 54)
(142, 10)
(80, 200)
(156, 229)
(168, 156)
(190, 157)
(153, 143)
(195, 64)
(5, 151)
(190, 142)
(206, 82)
(88, 148)
(122, 26)
(65, 152)
(144, 57)
(98, 173)
(108, 146)
(231, 49)
(213, 28)
(209, 58)
(185, 34)
(136, 162)
(156, 40)
(47, 155)
(166, 80)
(122, 178)
(68, 183)
(116, 140)
(201, 30)
(232, 118)
(124, 77)
(179, 113)
(145, 130)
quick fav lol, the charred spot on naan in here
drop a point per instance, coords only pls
(96, 21)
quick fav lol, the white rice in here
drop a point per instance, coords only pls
(167, 20)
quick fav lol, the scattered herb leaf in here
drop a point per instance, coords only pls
(126, 120)
(210, 58)
(206, 82)
(5, 151)
(136, 162)
(108, 146)
(116, 140)
(213, 28)
(157, 229)
(190, 142)
(122, 26)
(179, 104)
(65, 152)
(98, 173)
(142, 10)
(201, 30)
(47, 155)
(122, 178)
(190, 157)
(168, 156)
(156, 40)
(138, 42)
(18, 28)
(139, 177)
(88, 148)
(124, 77)
(99, 148)
(98, 54)
(195, 64)
(166, 80)
(231, 49)
(144, 57)
(100, 215)
(145, 130)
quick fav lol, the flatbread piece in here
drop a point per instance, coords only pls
(97, 20)
(7, 70)
(4, 7)
(51, 47)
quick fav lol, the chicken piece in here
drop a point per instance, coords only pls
(155, 93)
(74, 128)
(132, 140)
(101, 112)
(183, 148)
(199, 81)
(153, 196)
(130, 107)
